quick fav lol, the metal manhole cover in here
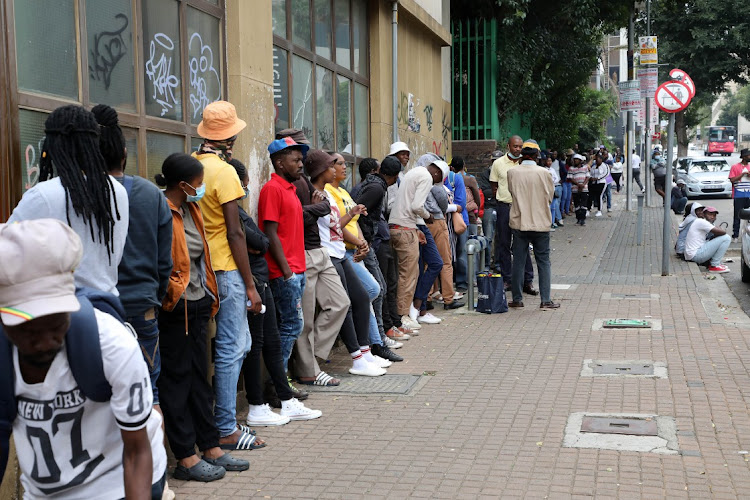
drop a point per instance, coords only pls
(386, 384)
(626, 323)
(610, 425)
(623, 369)
(631, 295)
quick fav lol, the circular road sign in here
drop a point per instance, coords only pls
(673, 96)
(683, 77)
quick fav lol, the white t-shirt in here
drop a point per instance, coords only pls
(696, 237)
(617, 167)
(71, 447)
(331, 234)
(97, 270)
(636, 161)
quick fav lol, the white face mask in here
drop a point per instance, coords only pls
(512, 156)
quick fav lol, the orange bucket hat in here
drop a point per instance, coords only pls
(220, 121)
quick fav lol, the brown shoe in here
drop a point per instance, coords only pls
(528, 289)
(396, 334)
(515, 304)
(549, 305)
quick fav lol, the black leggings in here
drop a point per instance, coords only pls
(579, 201)
(616, 177)
(355, 331)
(187, 400)
(267, 342)
(596, 194)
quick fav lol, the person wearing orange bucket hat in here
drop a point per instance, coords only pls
(226, 241)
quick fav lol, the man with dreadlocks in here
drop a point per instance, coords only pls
(143, 274)
(83, 195)
(229, 258)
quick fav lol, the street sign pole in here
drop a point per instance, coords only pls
(667, 201)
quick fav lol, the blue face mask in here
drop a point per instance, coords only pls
(247, 192)
(512, 156)
(199, 192)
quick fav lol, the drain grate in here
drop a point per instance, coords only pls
(629, 426)
(626, 323)
(623, 369)
(386, 384)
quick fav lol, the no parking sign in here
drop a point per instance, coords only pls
(673, 96)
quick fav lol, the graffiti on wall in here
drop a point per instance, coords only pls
(428, 116)
(108, 48)
(407, 112)
(159, 72)
(32, 163)
(205, 84)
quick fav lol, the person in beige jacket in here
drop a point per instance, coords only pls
(530, 220)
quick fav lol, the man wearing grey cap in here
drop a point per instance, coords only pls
(89, 449)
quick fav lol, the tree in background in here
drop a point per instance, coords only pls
(708, 39)
(548, 51)
(737, 103)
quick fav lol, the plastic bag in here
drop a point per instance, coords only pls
(491, 294)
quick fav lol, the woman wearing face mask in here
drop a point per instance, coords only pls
(191, 300)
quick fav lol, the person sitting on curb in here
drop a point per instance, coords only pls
(692, 211)
(699, 250)
(679, 197)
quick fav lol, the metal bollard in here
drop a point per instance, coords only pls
(639, 224)
(473, 246)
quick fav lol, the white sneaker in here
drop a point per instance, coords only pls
(598, 213)
(263, 415)
(429, 319)
(382, 362)
(367, 370)
(295, 410)
(458, 296)
(392, 344)
(410, 323)
(413, 312)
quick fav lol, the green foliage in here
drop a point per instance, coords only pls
(596, 107)
(737, 103)
(548, 51)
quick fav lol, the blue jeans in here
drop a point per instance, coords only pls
(713, 250)
(373, 289)
(567, 196)
(460, 266)
(232, 343)
(372, 265)
(555, 206)
(540, 240)
(430, 264)
(287, 296)
(489, 220)
(608, 195)
(148, 338)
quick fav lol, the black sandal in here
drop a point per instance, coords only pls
(202, 471)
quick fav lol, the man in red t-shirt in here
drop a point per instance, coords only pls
(739, 176)
(280, 217)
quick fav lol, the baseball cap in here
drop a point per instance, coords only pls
(710, 209)
(316, 162)
(36, 278)
(286, 142)
(398, 146)
(220, 121)
(681, 181)
(744, 152)
(531, 144)
(579, 157)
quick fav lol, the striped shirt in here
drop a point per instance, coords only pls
(578, 175)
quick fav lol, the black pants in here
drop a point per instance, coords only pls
(388, 267)
(616, 178)
(355, 332)
(187, 398)
(637, 177)
(596, 194)
(739, 204)
(266, 343)
(580, 200)
(503, 238)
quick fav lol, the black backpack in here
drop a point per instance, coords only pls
(84, 357)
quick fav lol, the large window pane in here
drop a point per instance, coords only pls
(109, 26)
(158, 147)
(302, 105)
(195, 144)
(280, 88)
(161, 53)
(343, 42)
(46, 47)
(278, 17)
(301, 23)
(322, 10)
(359, 28)
(324, 110)
(361, 120)
(344, 115)
(131, 142)
(31, 125)
(204, 62)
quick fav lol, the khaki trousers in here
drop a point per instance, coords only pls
(323, 289)
(406, 246)
(439, 231)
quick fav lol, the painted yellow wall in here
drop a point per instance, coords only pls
(424, 116)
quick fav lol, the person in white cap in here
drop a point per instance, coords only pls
(401, 151)
(67, 443)
(700, 250)
(578, 177)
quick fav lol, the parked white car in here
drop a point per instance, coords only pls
(705, 176)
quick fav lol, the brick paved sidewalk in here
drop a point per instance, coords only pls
(489, 417)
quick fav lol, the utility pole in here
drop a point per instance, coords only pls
(667, 218)
(629, 141)
(647, 155)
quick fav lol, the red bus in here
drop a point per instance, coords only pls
(720, 139)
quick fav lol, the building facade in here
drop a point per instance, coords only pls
(324, 66)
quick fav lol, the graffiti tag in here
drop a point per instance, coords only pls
(32, 164)
(109, 48)
(159, 72)
(428, 113)
(202, 73)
